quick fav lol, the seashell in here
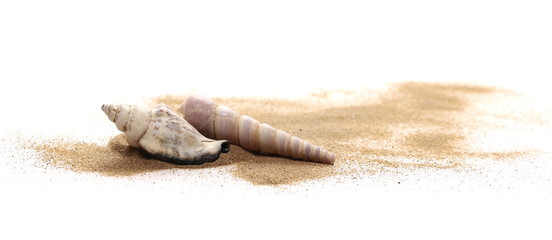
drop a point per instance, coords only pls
(221, 122)
(164, 134)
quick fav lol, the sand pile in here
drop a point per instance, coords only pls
(409, 125)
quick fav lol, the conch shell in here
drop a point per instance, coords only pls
(164, 134)
(221, 122)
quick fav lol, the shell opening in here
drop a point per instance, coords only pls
(225, 147)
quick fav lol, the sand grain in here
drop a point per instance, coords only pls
(410, 125)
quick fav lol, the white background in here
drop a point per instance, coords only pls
(269, 46)
(55, 54)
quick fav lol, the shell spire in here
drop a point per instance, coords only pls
(221, 122)
(164, 134)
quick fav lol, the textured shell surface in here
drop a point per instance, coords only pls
(164, 134)
(221, 122)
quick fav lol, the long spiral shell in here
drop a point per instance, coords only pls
(164, 134)
(221, 122)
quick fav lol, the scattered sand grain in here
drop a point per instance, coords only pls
(410, 125)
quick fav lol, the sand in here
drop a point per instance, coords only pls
(409, 125)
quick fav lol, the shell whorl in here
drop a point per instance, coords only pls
(133, 120)
(221, 122)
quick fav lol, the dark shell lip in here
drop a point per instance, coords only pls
(225, 147)
(178, 161)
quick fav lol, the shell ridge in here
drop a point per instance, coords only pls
(214, 122)
(116, 112)
(239, 131)
(149, 122)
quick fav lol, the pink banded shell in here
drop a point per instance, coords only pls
(223, 123)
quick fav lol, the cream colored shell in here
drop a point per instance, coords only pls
(164, 134)
(221, 122)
